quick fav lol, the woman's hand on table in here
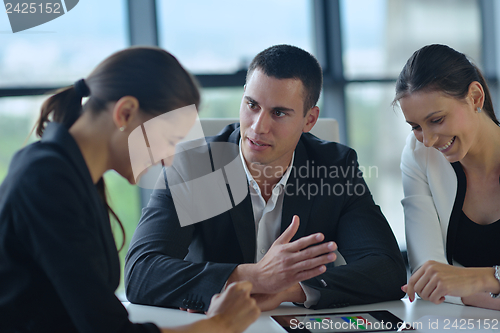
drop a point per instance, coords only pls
(434, 280)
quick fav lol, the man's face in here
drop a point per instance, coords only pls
(272, 119)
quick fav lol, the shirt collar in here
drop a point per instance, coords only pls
(250, 179)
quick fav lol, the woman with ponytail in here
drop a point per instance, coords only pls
(451, 172)
(59, 266)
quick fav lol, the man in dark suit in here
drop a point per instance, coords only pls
(306, 197)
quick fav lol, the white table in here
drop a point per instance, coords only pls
(416, 312)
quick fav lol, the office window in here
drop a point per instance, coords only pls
(220, 102)
(378, 134)
(17, 117)
(222, 36)
(62, 50)
(377, 42)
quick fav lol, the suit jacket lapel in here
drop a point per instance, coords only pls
(296, 201)
(244, 226)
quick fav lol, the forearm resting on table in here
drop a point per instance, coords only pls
(230, 311)
(482, 300)
(485, 280)
(491, 284)
(268, 302)
(245, 272)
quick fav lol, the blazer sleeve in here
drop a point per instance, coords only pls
(52, 222)
(155, 270)
(424, 236)
(375, 270)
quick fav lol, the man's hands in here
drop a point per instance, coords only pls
(286, 264)
(434, 280)
(234, 310)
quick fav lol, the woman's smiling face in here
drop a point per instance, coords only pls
(443, 122)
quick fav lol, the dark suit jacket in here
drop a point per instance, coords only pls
(169, 265)
(59, 266)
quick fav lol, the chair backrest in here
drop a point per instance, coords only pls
(325, 128)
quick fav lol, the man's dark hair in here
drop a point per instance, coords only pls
(291, 62)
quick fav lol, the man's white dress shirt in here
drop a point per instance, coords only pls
(267, 216)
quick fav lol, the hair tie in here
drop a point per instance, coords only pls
(81, 88)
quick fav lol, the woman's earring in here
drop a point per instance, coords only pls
(122, 128)
(479, 109)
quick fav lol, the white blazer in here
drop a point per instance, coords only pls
(430, 187)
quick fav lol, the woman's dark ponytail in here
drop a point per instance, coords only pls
(65, 106)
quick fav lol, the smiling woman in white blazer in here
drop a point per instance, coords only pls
(451, 179)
